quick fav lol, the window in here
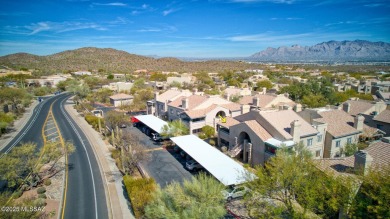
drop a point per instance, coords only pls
(318, 153)
(349, 140)
(171, 111)
(309, 142)
(270, 149)
(338, 143)
(196, 131)
(319, 138)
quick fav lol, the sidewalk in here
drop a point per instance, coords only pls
(18, 125)
(117, 204)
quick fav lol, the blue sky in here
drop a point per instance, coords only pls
(194, 28)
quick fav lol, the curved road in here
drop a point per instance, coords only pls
(84, 195)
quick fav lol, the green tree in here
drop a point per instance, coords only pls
(158, 77)
(114, 118)
(373, 198)
(199, 198)
(265, 83)
(314, 101)
(350, 149)
(175, 128)
(52, 152)
(289, 180)
(13, 96)
(208, 131)
(18, 164)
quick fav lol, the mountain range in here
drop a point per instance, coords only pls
(358, 50)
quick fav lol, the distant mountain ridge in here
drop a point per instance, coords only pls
(358, 50)
(112, 60)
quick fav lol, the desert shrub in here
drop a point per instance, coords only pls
(47, 182)
(115, 153)
(140, 192)
(41, 190)
(202, 135)
(212, 142)
(209, 131)
(94, 121)
(40, 202)
(17, 194)
(223, 148)
(42, 196)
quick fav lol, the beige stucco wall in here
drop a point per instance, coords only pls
(330, 149)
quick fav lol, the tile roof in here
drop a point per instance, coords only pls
(258, 129)
(339, 122)
(265, 99)
(121, 96)
(193, 101)
(379, 151)
(359, 106)
(229, 122)
(281, 121)
(232, 106)
(200, 112)
(168, 95)
(383, 117)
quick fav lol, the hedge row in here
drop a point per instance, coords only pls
(140, 192)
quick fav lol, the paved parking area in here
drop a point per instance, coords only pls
(161, 166)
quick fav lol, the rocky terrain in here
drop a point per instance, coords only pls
(358, 50)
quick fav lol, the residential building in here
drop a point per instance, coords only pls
(82, 73)
(385, 96)
(121, 99)
(257, 77)
(355, 107)
(197, 111)
(232, 91)
(256, 135)
(342, 128)
(184, 78)
(48, 81)
(119, 86)
(159, 105)
(119, 76)
(382, 122)
(268, 101)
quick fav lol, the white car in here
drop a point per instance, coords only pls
(235, 192)
(193, 165)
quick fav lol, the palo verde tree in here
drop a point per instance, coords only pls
(291, 185)
(199, 198)
(175, 128)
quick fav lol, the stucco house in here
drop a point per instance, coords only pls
(159, 105)
(342, 128)
(268, 101)
(382, 122)
(255, 136)
(232, 91)
(197, 111)
(121, 99)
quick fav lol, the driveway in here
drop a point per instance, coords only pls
(161, 166)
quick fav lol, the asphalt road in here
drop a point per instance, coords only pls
(85, 196)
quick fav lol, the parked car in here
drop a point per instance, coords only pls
(193, 165)
(235, 192)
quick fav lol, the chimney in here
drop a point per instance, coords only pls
(347, 107)
(264, 90)
(228, 96)
(156, 95)
(245, 109)
(358, 122)
(280, 107)
(256, 101)
(363, 162)
(185, 103)
(298, 108)
(295, 130)
(195, 91)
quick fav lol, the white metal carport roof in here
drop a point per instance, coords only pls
(152, 122)
(222, 167)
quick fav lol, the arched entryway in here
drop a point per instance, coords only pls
(220, 114)
(244, 141)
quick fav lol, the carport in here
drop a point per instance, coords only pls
(222, 167)
(152, 122)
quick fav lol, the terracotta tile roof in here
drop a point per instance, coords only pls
(168, 95)
(383, 117)
(258, 129)
(193, 100)
(339, 122)
(229, 122)
(281, 121)
(121, 96)
(265, 99)
(232, 106)
(359, 106)
(199, 113)
(379, 151)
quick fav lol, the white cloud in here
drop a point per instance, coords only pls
(119, 4)
(169, 11)
(59, 27)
